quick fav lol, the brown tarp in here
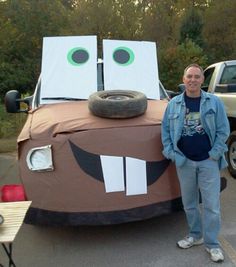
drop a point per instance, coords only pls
(69, 188)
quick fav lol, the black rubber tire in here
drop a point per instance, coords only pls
(231, 154)
(118, 104)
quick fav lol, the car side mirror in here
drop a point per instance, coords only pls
(12, 102)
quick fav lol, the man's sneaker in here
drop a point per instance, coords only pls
(189, 241)
(216, 254)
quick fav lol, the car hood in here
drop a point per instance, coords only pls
(53, 119)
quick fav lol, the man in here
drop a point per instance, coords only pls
(194, 131)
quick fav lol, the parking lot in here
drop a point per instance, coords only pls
(147, 243)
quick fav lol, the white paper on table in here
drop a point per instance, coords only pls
(139, 73)
(62, 77)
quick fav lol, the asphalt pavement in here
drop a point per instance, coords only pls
(149, 243)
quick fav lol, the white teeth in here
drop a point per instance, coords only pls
(113, 173)
(136, 180)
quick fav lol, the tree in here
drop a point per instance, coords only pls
(174, 59)
(220, 30)
(191, 27)
(175, 25)
(107, 19)
(24, 23)
(159, 21)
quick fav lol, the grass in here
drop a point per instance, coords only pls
(8, 145)
(10, 127)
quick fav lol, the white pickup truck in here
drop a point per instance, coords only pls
(220, 79)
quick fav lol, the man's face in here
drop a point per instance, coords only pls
(193, 79)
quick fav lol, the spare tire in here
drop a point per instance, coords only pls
(117, 103)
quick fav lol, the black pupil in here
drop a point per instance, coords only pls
(121, 56)
(80, 56)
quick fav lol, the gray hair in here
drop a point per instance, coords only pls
(193, 65)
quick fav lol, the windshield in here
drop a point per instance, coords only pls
(228, 75)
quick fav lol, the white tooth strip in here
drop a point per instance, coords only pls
(113, 173)
(136, 180)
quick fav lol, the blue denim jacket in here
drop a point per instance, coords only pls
(214, 121)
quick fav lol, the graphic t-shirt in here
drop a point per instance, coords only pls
(194, 142)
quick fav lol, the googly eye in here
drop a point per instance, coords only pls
(78, 56)
(123, 56)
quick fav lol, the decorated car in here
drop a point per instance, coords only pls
(90, 151)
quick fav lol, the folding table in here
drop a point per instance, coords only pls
(13, 214)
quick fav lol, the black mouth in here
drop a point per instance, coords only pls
(91, 164)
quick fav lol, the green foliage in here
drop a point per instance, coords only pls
(209, 24)
(191, 27)
(220, 30)
(10, 124)
(23, 24)
(160, 21)
(108, 19)
(174, 60)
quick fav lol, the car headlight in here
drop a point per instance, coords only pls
(40, 159)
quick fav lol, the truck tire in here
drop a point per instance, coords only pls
(231, 154)
(118, 104)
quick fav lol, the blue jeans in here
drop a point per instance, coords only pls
(204, 176)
